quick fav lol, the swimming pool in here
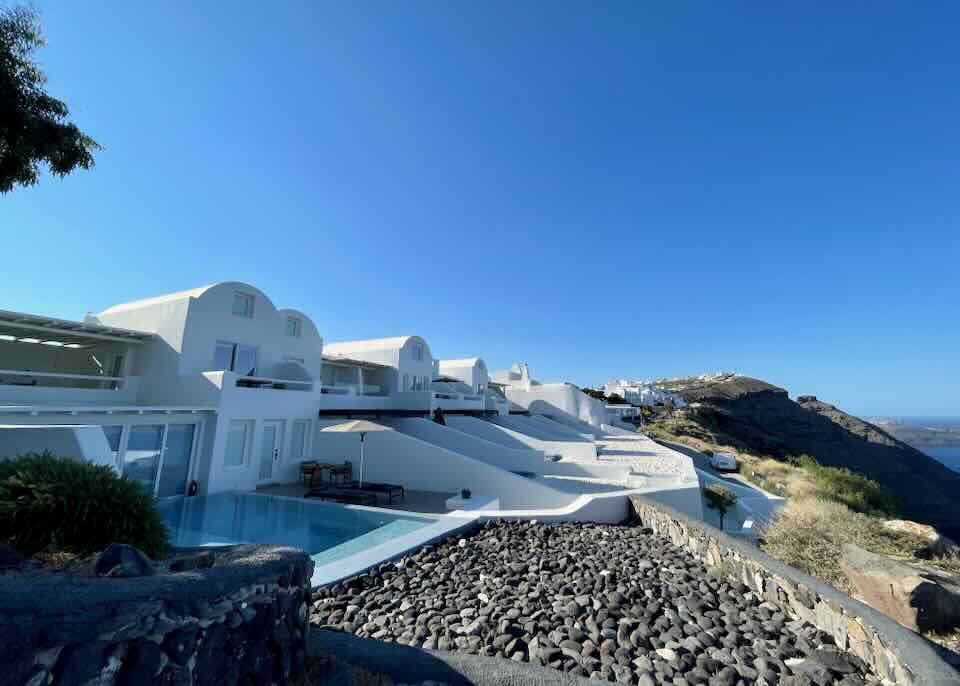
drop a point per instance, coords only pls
(326, 531)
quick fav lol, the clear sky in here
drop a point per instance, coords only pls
(602, 189)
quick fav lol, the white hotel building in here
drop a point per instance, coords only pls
(218, 386)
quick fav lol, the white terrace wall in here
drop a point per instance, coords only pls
(562, 429)
(549, 398)
(536, 437)
(511, 459)
(543, 430)
(489, 431)
(395, 457)
(572, 422)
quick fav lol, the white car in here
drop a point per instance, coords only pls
(723, 462)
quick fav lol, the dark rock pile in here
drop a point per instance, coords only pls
(607, 602)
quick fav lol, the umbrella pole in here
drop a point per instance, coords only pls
(361, 459)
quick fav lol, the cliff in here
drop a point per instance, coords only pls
(761, 419)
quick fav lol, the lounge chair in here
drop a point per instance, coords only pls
(343, 496)
(390, 490)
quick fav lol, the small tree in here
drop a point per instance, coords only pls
(721, 499)
(33, 124)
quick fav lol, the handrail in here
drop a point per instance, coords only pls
(58, 375)
(266, 379)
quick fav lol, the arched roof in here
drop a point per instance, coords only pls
(393, 343)
(203, 290)
(464, 362)
(170, 297)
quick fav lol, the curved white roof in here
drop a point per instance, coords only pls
(463, 362)
(347, 347)
(170, 297)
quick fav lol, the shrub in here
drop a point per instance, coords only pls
(857, 492)
(719, 498)
(74, 506)
(809, 534)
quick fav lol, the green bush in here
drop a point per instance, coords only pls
(857, 492)
(719, 498)
(77, 507)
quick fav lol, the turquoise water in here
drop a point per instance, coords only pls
(948, 456)
(327, 531)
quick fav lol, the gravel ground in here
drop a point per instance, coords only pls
(609, 602)
(645, 454)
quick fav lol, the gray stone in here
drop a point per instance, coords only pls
(186, 563)
(919, 598)
(123, 561)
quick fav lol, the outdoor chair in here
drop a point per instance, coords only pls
(389, 490)
(343, 496)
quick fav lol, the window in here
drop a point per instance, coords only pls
(238, 437)
(293, 327)
(417, 351)
(298, 440)
(142, 457)
(223, 356)
(406, 382)
(293, 358)
(243, 304)
(245, 360)
(113, 434)
(235, 357)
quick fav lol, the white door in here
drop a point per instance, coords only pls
(271, 441)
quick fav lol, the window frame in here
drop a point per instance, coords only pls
(305, 443)
(297, 323)
(247, 307)
(249, 426)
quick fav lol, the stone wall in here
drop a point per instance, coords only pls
(898, 655)
(243, 620)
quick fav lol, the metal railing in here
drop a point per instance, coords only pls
(19, 377)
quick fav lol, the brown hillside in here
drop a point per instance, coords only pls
(765, 421)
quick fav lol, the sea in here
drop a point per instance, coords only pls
(949, 456)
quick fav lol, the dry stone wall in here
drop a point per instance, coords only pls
(242, 621)
(896, 654)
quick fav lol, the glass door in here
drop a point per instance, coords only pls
(175, 466)
(158, 456)
(270, 441)
(142, 456)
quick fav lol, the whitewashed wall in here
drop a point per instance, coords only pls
(395, 457)
(511, 459)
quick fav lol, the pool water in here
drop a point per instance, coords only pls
(327, 531)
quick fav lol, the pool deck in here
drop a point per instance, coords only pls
(426, 502)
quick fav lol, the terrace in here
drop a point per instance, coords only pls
(48, 360)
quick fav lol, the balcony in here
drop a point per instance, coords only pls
(261, 383)
(354, 389)
(44, 388)
(50, 361)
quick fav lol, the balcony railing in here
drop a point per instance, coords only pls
(354, 389)
(261, 382)
(15, 377)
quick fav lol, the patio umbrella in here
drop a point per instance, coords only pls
(362, 427)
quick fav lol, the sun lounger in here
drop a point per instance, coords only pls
(390, 490)
(348, 496)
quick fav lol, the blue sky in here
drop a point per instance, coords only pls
(601, 189)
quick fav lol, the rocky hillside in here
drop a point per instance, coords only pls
(761, 419)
